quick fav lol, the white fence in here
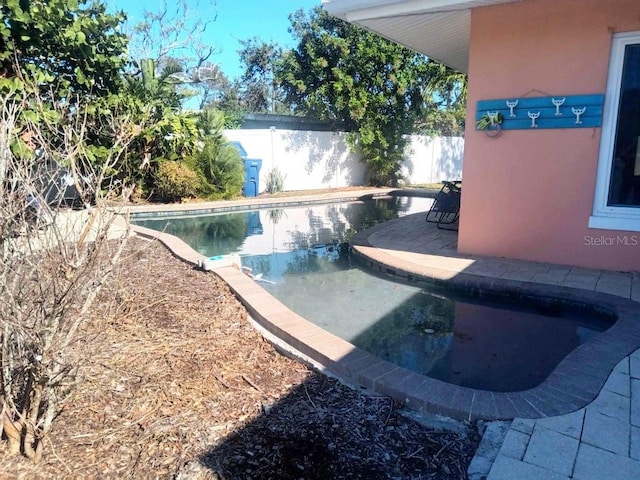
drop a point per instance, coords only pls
(313, 160)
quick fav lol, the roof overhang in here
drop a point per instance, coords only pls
(440, 29)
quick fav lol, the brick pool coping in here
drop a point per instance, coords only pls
(158, 211)
(574, 383)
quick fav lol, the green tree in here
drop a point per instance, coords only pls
(64, 59)
(377, 88)
(447, 99)
(212, 83)
(260, 92)
(69, 47)
(173, 66)
(217, 92)
(230, 103)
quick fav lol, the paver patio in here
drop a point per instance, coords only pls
(596, 442)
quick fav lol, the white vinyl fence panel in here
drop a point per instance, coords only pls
(314, 160)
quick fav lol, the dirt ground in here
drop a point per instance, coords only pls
(176, 383)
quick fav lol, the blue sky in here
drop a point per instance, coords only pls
(236, 20)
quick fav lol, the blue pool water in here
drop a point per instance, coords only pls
(302, 259)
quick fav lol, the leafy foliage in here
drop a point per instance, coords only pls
(63, 45)
(226, 96)
(56, 52)
(446, 108)
(218, 162)
(224, 171)
(259, 90)
(164, 132)
(58, 56)
(377, 88)
(175, 181)
(64, 60)
(256, 91)
(446, 122)
(174, 67)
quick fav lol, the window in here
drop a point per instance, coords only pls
(617, 196)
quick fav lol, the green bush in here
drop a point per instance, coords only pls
(175, 180)
(222, 168)
(218, 164)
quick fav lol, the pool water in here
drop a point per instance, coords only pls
(495, 344)
(289, 233)
(300, 255)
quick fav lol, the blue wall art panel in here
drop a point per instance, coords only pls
(571, 111)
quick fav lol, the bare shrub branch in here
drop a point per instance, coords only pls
(55, 258)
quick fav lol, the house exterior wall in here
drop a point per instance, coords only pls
(529, 194)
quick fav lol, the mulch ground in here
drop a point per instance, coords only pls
(176, 383)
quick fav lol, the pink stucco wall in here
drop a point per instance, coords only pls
(529, 194)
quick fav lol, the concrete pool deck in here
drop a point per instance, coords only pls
(582, 422)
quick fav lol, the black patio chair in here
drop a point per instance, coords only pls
(445, 210)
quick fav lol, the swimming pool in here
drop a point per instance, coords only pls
(299, 255)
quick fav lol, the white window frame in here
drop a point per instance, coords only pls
(605, 216)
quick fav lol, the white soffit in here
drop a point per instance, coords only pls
(354, 10)
(440, 29)
(441, 36)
